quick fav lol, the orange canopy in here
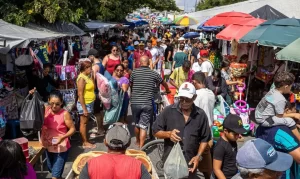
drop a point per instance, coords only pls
(238, 30)
(227, 18)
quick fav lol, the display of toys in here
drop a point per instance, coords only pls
(264, 74)
(238, 69)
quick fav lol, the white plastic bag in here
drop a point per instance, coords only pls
(175, 166)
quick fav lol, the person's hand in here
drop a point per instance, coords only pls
(195, 161)
(85, 112)
(174, 137)
(297, 116)
(239, 82)
(59, 141)
(32, 91)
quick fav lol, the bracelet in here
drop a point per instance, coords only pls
(200, 157)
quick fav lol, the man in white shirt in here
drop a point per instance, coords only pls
(205, 100)
(197, 65)
(206, 67)
(155, 54)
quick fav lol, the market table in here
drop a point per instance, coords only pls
(36, 145)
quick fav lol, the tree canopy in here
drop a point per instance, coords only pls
(207, 4)
(21, 12)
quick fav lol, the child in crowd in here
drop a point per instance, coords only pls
(271, 109)
(127, 71)
(225, 151)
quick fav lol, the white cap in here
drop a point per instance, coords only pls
(187, 90)
(181, 38)
(136, 43)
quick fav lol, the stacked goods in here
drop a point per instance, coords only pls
(238, 69)
(23, 142)
(81, 160)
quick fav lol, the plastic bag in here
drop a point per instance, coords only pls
(176, 166)
(32, 114)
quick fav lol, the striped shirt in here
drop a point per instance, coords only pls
(144, 82)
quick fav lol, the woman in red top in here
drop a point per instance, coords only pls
(111, 60)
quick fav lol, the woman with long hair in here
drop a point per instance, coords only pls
(111, 60)
(13, 163)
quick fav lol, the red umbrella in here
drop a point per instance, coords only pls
(238, 30)
(227, 18)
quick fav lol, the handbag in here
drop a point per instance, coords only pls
(24, 60)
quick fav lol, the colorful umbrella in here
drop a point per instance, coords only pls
(191, 35)
(290, 52)
(238, 30)
(274, 33)
(164, 19)
(227, 18)
(185, 21)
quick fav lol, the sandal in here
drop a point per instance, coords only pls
(96, 134)
(89, 147)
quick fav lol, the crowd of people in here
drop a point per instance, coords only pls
(136, 65)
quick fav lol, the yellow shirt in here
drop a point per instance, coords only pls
(179, 77)
(89, 90)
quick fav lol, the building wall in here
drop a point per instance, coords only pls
(290, 8)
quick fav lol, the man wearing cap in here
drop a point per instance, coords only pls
(206, 67)
(225, 150)
(139, 53)
(257, 159)
(115, 164)
(185, 123)
(130, 50)
(136, 45)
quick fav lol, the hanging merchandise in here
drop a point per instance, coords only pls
(69, 97)
(42, 54)
(1, 84)
(2, 121)
(86, 45)
(77, 45)
(234, 47)
(32, 114)
(11, 106)
(24, 60)
(70, 48)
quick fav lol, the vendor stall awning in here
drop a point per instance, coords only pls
(274, 33)
(238, 30)
(227, 18)
(290, 52)
(268, 13)
(20, 37)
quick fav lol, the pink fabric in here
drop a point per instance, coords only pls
(190, 75)
(137, 55)
(104, 90)
(30, 173)
(54, 126)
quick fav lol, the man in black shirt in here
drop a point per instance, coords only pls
(195, 52)
(185, 123)
(169, 51)
(225, 151)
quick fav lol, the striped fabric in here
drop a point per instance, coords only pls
(144, 82)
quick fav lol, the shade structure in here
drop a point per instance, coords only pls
(268, 13)
(185, 21)
(238, 30)
(227, 18)
(164, 19)
(290, 52)
(191, 35)
(208, 28)
(274, 33)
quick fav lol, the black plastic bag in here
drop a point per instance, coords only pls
(32, 114)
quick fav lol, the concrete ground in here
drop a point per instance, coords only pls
(76, 148)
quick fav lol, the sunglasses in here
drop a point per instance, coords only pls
(55, 104)
(187, 100)
(115, 50)
(117, 70)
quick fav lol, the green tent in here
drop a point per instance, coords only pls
(164, 19)
(290, 52)
(274, 33)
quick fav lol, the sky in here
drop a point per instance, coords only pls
(188, 4)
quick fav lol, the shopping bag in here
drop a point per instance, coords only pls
(176, 166)
(32, 114)
(112, 115)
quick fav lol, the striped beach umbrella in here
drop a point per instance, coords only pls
(185, 21)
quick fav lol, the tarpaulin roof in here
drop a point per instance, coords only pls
(227, 18)
(69, 29)
(290, 52)
(274, 33)
(20, 37)
(238, 30)
(268, 13)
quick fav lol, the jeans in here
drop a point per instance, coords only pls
(56, 163)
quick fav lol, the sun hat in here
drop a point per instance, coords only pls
(187, 90)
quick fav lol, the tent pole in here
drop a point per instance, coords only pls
(286, 65)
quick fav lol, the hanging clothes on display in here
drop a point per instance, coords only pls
(234, 48)
(69, 97)
(9, 102)
(224, 47)
(2, 121)
(42, 54)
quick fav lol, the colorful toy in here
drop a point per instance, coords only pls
(241, 108)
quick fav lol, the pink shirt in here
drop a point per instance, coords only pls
(137, 56)
(54, 126)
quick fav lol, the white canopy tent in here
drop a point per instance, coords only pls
(16, 36)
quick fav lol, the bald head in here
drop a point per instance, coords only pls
(144, 61)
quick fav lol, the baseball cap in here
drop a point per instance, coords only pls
(181, 38)
(131, 48)
(234, 123)
(203, 53)
(113, 43)
(259, 154)
(141, 44)
(118, 136)
(93, 52)
(136, 43)
(187, 90)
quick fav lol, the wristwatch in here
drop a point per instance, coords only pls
(200, 157)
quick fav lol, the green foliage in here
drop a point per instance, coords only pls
(21, 12)
(207, 4)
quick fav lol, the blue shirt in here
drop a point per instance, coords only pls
(282, 139)
(130, 60)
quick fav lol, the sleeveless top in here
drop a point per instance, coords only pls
(110, 65)
(53, 127)
(114, 166)
(89, 90)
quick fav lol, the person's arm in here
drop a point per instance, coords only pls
(172, 78)
(166, 86)
(52, 82)
(174, 62)
(96, 70)
(196, 159)
(80, 88)
(228, 82)
(104, 62)
(169, 56)
(84, 174)
(224, 88)
(70, 124)
(210, 84)
(218, 156)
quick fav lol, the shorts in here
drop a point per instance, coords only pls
(56, 163)
(89, 107)
(205, 165)
(142, 115)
